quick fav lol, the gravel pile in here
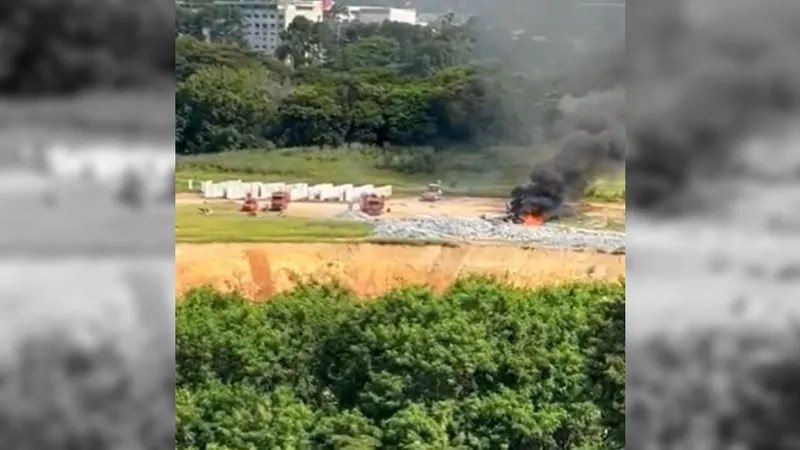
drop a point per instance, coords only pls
(354, 215)
(549, 236)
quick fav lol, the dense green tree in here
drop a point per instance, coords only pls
(192, 55)
(221, 109)
(374, 51)
(207, 21)
(312, 115)
(220, 416)
(302, 43)
(386, 85)
(482, 366)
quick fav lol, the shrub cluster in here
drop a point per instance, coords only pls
(481, 366)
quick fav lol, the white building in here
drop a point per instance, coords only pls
(379, 14)
(264, 20)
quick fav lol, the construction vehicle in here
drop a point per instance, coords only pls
(372, 204)
(433, 194)
(250, 204)
(279, 201)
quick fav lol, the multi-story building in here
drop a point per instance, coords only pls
(379, 14)
(264, 20)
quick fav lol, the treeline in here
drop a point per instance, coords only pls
(333, 84)
(481, 366)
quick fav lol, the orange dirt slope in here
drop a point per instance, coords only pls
(260, 270)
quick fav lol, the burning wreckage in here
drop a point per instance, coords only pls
(558, 184)
(593, 145)
(543, 199)
(538, 201)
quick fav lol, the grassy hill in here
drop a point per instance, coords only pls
(488, 173)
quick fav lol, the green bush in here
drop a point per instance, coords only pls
(481, 366)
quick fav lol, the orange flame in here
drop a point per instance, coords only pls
(533, 219)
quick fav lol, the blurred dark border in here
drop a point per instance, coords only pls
(86, 69)
(67, 47)
(90, 65)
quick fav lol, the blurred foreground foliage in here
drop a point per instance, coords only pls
(481, 366)
(729, 384)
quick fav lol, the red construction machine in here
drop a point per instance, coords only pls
(372, 204)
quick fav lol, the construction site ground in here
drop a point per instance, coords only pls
(261, 269)
(403, 207)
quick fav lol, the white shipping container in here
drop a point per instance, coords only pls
(384, 191)
(330, 193)
(345, 194)
(365, 189)
(317, 192)
(298, 191)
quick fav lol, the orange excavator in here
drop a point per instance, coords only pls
(250, 204)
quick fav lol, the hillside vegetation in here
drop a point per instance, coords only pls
(482, 366)
(399, 104)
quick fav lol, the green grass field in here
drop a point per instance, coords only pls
(227, 224)
(491, 174)
(593, 223)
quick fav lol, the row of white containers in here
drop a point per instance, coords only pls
(237, 190)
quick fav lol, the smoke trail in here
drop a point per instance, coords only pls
(593, 144)
(709, 81)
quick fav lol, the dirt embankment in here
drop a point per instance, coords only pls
(260, 270)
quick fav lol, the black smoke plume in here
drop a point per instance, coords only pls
(592, 144)
(710, 75)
